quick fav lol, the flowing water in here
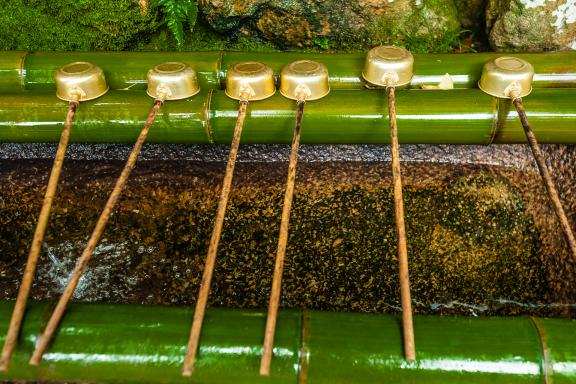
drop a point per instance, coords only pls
(482, 237)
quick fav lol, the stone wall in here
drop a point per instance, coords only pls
(531, 25)
(248, 25)
(518, 25)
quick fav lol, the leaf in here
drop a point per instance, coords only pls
(178, 13)
(192, 14)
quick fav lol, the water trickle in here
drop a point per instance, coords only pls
(58, 262)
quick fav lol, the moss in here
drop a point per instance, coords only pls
(470, 238)
(119, 25)
(73, 25)
(432, 28)
(521, 29)
(105, 25)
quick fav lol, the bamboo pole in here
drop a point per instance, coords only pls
(202, 300)
(407, 325)
(545, 174)
(281, 250)
(127, 70)
(94, 239)
(427, 117)
(36, 247)
(137, 343)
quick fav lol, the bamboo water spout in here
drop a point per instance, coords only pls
(78, 81)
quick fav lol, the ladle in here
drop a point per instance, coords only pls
(511, 78)
(244, 82)
(301, 81)
(168, 81)
(391, 67)
(75, 82)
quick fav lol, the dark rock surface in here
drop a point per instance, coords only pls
(302, 23)
(481, 238)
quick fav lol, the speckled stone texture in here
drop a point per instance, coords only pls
(531, 25)
(482, 239)
(301, 23)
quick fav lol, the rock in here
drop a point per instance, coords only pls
(337, 23)
(531, 25)
(471, 13)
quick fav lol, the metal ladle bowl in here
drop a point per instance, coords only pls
(388, 65)
(250, 80)
(172, 81)
(507, 77)
(80, 81)
(304, 78)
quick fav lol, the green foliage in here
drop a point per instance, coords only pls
(178, 13)
(72, 24)
(174, 25)
(205, 38)
(448, 42)
(322, 42)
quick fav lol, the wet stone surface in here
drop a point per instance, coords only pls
(482, 239)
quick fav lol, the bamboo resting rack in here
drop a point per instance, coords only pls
(315, 347)
(464, 116)
(115, 343)
(21, 71)
(29, 111)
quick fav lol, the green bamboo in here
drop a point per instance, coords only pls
(552, 70)
(127, 70)
(123, 70)
(343, 117)
(116, 117)
(560, 350)
(11, 65)
(121, 343)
